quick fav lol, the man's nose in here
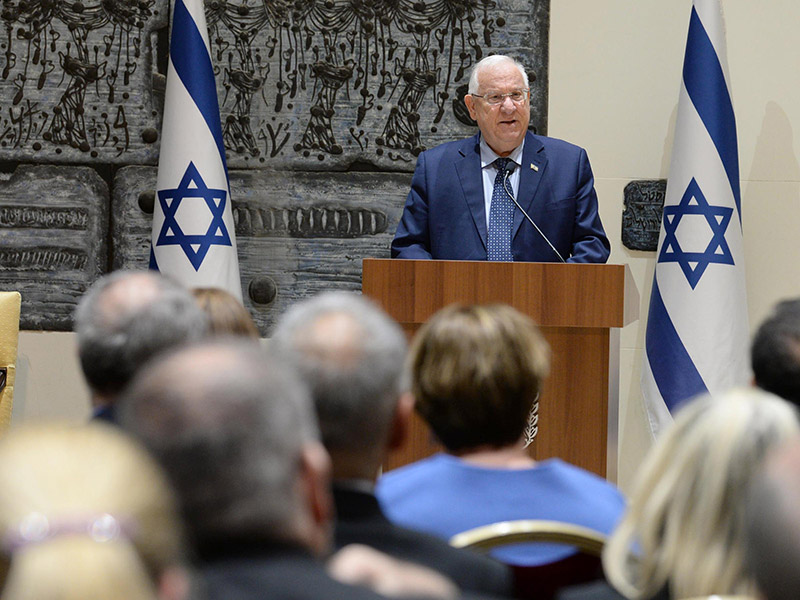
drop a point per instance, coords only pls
(508, 104)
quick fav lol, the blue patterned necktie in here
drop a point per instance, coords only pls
(501, 216)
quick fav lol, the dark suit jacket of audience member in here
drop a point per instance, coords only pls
(105, 414)
(600, 590)
(279, 572)
(361, 521)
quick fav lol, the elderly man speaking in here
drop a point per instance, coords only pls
(504, 194)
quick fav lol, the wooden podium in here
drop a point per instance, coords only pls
(579, 308)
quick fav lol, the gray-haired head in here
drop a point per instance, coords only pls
(773, 524)
(229, 424)
(352, 355)
(127, 317)
(489, 62)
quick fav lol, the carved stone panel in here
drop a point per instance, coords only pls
(320, 85)
(309, 85)
(53, 231)
(641, 217)
(297, 233)
(76, 80)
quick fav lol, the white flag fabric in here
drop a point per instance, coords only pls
(193, 237)
(697, 337)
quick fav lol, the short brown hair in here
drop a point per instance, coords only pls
(476, 372)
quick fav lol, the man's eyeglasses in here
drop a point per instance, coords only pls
(495, 98)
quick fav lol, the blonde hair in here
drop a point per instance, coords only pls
(227, 315)
(84, 514)
(684, 527)
(476, 372)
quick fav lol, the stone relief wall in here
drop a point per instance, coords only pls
(325, 106)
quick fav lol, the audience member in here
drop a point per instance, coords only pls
(476, 372)
(775, 352)
(352, 354)
(227, 315)
(236, 433)
(123, 321)
(773, 525)
(86, 513)
(683, 534)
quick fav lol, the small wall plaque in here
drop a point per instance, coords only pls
(641, 218)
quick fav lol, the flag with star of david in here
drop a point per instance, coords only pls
(193, 237)
(697, 337)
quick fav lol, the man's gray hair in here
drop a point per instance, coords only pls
(355, 371)
(125, 318)
(228, 422)
(493, 61)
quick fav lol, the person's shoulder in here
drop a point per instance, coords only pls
(411, 475)
(586, 480)
(556, 145)
(414, 469)
(454, 148)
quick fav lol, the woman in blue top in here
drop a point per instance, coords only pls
(476, 373)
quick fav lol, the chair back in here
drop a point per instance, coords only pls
(720, 597)
(542, 581)
(9, 341)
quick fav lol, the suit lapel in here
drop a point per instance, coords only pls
(534, 163)
(468, 168)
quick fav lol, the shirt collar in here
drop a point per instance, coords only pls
(488, 156)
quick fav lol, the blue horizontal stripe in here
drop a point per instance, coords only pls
(705, 84)
(674, 372)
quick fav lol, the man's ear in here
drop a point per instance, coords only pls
(401, 421)
(315, 474)
(470, 103)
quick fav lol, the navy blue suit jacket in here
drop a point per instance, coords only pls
(444, 215)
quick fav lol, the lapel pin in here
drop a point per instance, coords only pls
(534, 167)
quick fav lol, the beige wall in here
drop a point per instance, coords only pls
(49, 384)
(614, 76)
(615, 69)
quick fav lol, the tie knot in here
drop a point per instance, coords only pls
(502, 165)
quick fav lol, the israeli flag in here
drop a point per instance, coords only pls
(193, 236)
(697, 337)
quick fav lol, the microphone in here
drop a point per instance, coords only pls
(510, 193)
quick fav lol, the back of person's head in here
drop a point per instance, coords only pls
(84, 513)
(231, 427)
(773, 524)
(351, 354)
(684, 527)
(775, 352)
(227, 315)
(127, 317)
(476, 372)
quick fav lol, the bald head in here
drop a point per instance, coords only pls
(230, 425)
(125, 319)
(352, 355)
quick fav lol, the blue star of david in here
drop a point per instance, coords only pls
(717, 250)
(194, 246)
